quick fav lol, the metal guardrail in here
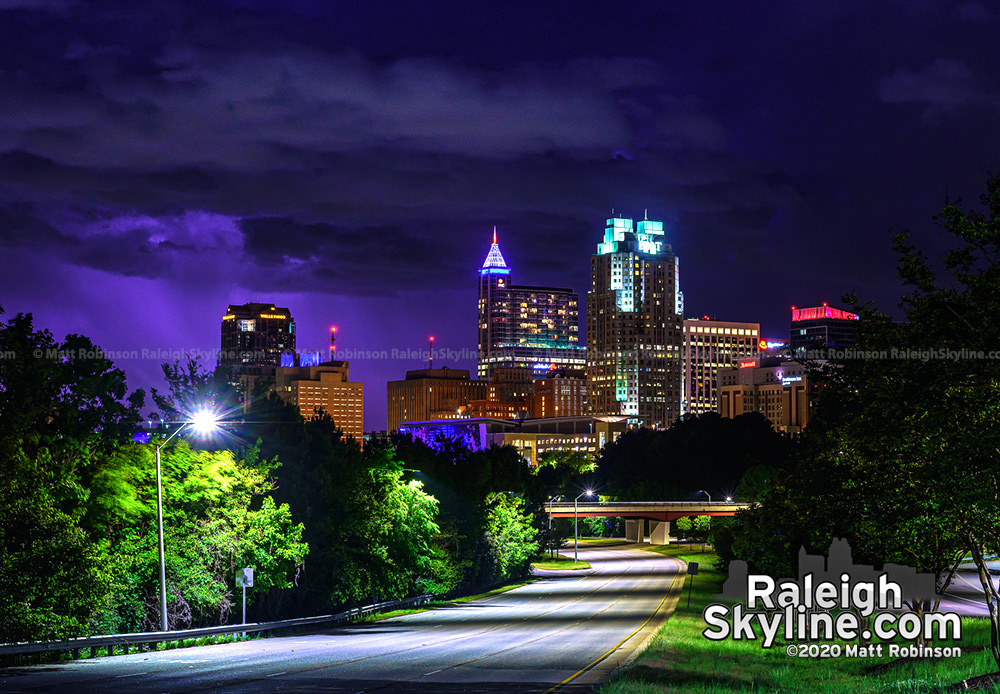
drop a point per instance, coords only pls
(153, 637)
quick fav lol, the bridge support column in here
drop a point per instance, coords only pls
(635, 529)
(659, 532)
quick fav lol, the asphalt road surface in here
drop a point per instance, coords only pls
(965, 594)
(531, 640)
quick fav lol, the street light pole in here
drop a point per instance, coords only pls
(550, 522)
(203, 421)
(159, 528)
(576, 522)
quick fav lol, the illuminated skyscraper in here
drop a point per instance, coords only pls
(521, 326)
(256, 335)
(634, 325)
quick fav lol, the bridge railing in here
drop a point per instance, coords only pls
(149, 639)
(570, 504)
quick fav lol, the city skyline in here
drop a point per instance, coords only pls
(159, 163)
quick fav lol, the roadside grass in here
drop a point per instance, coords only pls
(560, 563)
(681, 659)
(479, 596)
(601, 541)
(435, 604)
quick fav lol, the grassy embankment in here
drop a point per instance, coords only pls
(434, 604)
(680, 659)
(559, 563)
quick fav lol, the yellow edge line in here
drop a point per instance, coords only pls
(618, 645)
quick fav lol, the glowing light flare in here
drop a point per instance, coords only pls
(204, 422)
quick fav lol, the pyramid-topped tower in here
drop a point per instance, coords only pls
(535, 328)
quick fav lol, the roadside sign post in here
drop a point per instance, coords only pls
(244, 579)
(692, 572)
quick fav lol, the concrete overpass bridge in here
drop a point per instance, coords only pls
(636, 513)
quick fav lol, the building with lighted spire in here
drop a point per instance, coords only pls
(534, 328)
(635, 325)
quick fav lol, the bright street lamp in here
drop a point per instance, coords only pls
(203, 422)
(576, 521)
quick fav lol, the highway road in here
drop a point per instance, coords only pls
(548, 636)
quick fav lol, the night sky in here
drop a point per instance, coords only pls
(160, 160)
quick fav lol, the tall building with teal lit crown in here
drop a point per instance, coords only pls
(635, 325)
(535, 328)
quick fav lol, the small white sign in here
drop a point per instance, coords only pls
(244, 578)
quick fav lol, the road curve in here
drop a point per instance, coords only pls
(559, 634)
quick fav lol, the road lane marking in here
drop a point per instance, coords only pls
(597, 661)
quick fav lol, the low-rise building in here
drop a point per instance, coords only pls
(324, 387)
(432, 394)
(562, 393)
(777, 388)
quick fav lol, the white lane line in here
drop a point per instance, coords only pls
(433, 672)
(276, 674)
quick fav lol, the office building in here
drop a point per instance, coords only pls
(634, 326)
(431, 394)
(324, 387)
(710, 345)
(777, 388)
(256, 334)
(563, 393)
(522, 326)
(822, 326)
(512, 384)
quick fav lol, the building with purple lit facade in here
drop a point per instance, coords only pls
(520, 326)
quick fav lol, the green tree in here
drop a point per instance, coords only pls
(702, 528)
(63, 409)
(510, 535)
(218, 516)
(684, 526)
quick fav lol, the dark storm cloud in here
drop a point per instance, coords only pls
(945, 84)
(339, 259)
(20, 227)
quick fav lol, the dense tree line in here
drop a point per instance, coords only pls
(706, 452)
(324, 523)
(902, 456)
